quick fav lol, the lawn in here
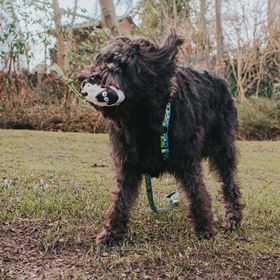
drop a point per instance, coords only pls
(54, 190)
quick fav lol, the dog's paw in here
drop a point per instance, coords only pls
(233, 224)
(108, 238)
(234, 217)
(206, 234)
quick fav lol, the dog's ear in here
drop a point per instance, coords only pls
(165, 57)
(169, 49)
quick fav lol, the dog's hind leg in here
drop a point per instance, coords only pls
(192, 184)
(222, 159)
(123, 196)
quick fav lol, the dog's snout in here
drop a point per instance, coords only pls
(84, 94)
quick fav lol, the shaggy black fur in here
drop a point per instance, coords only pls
(203, 125)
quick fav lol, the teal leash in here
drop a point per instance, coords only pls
(164, 145)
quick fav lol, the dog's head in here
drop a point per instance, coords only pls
(129, 71)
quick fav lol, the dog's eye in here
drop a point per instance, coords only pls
(109, 58)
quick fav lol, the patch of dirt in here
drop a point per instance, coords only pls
(98, 165)
(22, 258)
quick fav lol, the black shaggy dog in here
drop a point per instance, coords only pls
(203, 125)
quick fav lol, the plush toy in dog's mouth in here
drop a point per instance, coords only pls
(102, 96)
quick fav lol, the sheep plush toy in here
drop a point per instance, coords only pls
(104, 97)
(94, 94)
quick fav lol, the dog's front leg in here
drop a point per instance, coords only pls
(192, 184)
(123, 195)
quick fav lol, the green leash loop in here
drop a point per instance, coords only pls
(173, 197)
(164, 145)
(66, 80)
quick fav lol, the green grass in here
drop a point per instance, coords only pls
(54, 190)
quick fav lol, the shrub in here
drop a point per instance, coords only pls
(54, 118)
(259, 119)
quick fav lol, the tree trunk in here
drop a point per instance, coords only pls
(219, 40)
(108, 16)
(241, 91)
(175, 11)
(74, 12)
(59, 34)
(204, 31)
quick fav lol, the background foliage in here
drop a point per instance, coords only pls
(33, 97)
